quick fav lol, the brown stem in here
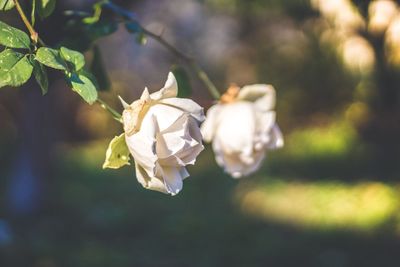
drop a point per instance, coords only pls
(112, 111)
(33, 33)
(192, 64)
(201, 74)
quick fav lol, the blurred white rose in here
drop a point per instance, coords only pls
(242, 128)
(163, 135)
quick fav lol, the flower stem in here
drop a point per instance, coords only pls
(192, 64)
(195, 67)
(34, 35)
(112, 111)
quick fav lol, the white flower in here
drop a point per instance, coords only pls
(163, 135)
(242, 128)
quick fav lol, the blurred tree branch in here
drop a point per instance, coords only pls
(193, 65)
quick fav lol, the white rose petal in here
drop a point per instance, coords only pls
(242, 131)
(262, 95)
(237, 127)
(276, 138)
(186, 105)
(209, 126)
(163, 135)
(170, 89)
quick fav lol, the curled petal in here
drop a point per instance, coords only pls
(173, 179)
(186, 105)
(149, 182)
(262, 95)
(210, 125)
(265, 123)
(165, 115)
(145, 95)
(170, 141)
(169, 90)
(142, 145)
(234, 164)
(237, 128)
(248, 169)
(184, 173)
(124, 104)
(276, 138)
(193, 138)
(179, 144)
(134, 113)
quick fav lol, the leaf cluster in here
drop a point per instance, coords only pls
(20, 59)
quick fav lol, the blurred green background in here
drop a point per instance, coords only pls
(330, 197)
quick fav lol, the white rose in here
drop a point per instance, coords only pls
(242, 128)
(163, 135)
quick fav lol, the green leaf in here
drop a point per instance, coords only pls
(6, 5)
(51, 58)
(84, 86)
(45, 8)
(98, 69)
(182, 78)
(15, 68)
(40, 73)
(12, 37)
(74, 57)
(91, 77)
(117, 154)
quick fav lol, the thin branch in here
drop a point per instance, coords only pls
(33, 33)
(201, 74)
(192, 64)
(116, 115)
